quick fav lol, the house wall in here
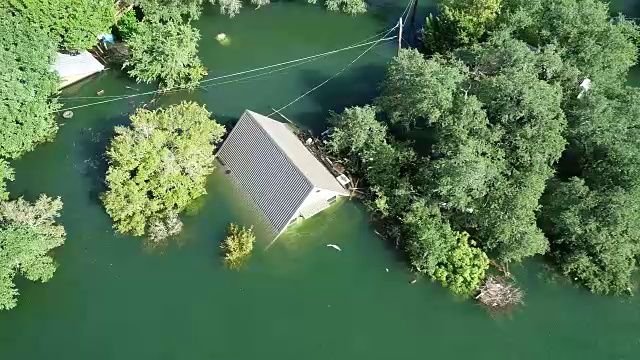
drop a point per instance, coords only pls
(314, 196)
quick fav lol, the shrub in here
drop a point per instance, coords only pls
(237, 246)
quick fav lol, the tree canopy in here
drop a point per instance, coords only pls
(459, 23)
(601, 47)
(6, 174)
(170, 10)
(173, 60)
(497, 128)
(501, 143)
(157, 166)
(28, 233)
(72, 24)
(26, 87)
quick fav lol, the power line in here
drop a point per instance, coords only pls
(319, 56)
(404, 22)
(336, 74)
(228, 75)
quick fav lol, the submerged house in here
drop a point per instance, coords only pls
(73, 68)
(284, 180)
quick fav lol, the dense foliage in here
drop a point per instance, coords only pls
(459, 23)
(127, 24)
(389, 167)
(237, 246)
(165, 52)
(500, 141)
(351, 7)
(170, 10)
(28, 233)
(72, 24)
(157, 166)
(445, 255)
(6, 174)
(26, 87)
(178, 10)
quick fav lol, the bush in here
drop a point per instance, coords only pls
(237, 246)
(28, 233)
(6, 174)
(167, 52)
(157, 166)
(73, 24)
(26, 87)
(128, 25)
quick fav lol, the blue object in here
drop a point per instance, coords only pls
(107, 38)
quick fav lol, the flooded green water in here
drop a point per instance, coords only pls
(111, 298)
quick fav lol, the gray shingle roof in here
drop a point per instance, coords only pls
(274, 167)
(300, 156)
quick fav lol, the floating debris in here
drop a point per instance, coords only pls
(67, 114)
(413, 281)
(334, 246)
(100, 92)
(223, 39)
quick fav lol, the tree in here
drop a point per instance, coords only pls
(464, 268)
(356, 134)
(26, 87)
(72, 24)
(526, 111)
(602, 48)
(170, 10)
(466, 159)
(127, 24)
(351, 7)
(167, 52)
(232, 8)
(237, 246)
(157, 166)
(460, 23)
(594, 234)
(445, 255)
(591, 212)
(28, 233)
(6, 174)
(419, 91)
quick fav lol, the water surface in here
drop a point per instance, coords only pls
(112, 298)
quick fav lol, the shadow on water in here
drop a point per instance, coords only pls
(355, 87)
(93, 143)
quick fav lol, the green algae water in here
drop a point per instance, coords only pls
(113, 298)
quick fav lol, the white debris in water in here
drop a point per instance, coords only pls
(221, 36)
(335, 247)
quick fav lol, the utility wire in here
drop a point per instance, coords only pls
(319, 56)
(338, 73)
(228, 75)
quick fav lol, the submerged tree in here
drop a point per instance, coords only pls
(27, 85)
(459, 23)
(170, 10)
(496, 126)
(6, 174)
(157, 166)
(445, 255)
(351, 7)
(173, 60)
(72, 24)
(28, 233)
(237, 246)
(591, 213)
(602, 48)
